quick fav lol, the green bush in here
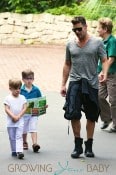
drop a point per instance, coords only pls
(91, 9)
(93, 12)
(25, 6)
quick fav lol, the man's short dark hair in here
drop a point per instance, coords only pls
(78, 19)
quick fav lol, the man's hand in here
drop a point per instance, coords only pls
(63, 91)
(102, 77)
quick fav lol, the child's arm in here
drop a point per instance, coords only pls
(15, 118)
(22, 112)
(9, 112)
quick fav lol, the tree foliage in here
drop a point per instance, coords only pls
(91, 9)
(25, 6)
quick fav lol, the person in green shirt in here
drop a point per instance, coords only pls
(108, 89)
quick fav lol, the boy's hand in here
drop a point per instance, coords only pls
(15, 118)
(35, 112)
(46, 106)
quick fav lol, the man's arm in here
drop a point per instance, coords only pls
(104, 72)
(105, 67)
(66, 71)
(110, 61)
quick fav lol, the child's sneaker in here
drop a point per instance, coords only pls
(14, 154)
(25, 146)
(35, 147)
(20, 155)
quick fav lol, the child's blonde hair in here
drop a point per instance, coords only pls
(15, 83)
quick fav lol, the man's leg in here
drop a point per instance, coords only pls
(105, 113)
(76, 126)
(90, 126)
(111, 84)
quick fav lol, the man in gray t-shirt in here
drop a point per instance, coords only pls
(82, 55)
(84, 60)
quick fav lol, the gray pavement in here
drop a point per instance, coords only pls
(56, 145)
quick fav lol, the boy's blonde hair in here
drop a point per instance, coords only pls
(15, 83)
(106, 23)
(26, 73)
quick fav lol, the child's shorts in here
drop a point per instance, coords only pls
(30, 124)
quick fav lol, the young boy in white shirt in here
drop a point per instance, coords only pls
(15, 107)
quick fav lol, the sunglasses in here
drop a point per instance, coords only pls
(79, 29)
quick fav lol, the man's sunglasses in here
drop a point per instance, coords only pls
(79, 29)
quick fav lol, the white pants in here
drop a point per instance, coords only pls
(30, 124)
(16, 139)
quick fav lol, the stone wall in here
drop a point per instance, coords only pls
(37, 28)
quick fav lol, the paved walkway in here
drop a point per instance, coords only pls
(56, 145)
(45, 61)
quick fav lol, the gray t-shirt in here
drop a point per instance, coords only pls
(85, 60)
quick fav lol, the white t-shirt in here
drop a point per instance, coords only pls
(16, 105)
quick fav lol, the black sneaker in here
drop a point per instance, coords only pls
(112, 129)
(105, 124)
(20, 155)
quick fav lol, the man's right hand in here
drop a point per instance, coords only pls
(63, 91)
(102, 77)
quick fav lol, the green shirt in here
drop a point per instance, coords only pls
(110, 45)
